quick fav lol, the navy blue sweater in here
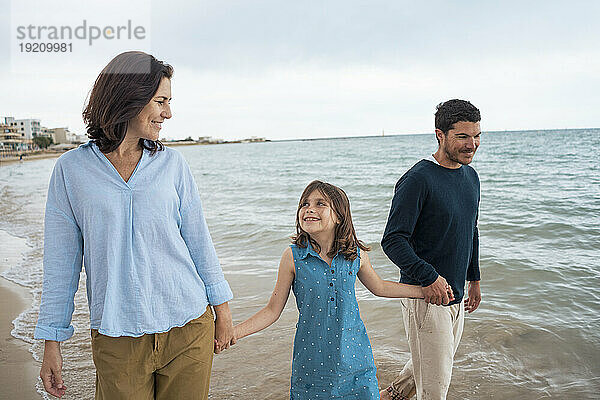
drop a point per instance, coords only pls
(432, 226)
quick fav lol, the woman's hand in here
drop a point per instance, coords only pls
(223, 328)
(51, 371)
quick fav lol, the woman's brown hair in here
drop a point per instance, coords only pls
(122, 89)
(345, 240)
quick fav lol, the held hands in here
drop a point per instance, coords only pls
(472, 302)
(223, 328)
(439, 292)
(51, 371)
(233, 340)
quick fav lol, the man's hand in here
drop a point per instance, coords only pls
(437, 292)
(450, 292)
(51, 371)
(223, 328)
(472, 302)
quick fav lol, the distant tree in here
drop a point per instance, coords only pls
(189, 139)
(43, 141)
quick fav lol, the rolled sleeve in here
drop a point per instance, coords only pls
(219, 293)
(51, 333)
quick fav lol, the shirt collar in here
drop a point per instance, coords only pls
(303, 252)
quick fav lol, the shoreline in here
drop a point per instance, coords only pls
(39, 156)
(19, 370)
(44, 154)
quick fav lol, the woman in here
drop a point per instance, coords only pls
(130, 209)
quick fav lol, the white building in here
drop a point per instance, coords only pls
(10, 137)
(27, 128)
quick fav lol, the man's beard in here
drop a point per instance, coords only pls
(454, 157)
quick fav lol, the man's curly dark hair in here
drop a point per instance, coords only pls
(452, 111)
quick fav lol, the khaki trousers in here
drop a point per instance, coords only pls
(170, 365)
(433, 333)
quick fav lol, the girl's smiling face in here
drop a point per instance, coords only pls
(316, 214)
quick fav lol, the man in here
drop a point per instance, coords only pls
(432, 236)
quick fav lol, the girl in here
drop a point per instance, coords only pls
(332, 356)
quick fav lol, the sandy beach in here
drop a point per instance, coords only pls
(39, 156)
(55, 154)
(19, 370)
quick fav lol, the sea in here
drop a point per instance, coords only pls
(536, 334)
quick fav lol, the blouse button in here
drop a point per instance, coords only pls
(332, 271)
(332, 299)
(350, 273)
(330, 284)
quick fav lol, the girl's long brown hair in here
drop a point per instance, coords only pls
(345, 240)
(122, 89)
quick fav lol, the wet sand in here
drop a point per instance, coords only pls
(19, 369)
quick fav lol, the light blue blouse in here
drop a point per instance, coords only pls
(149, 258)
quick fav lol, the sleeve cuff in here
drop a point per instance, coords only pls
(429, 274)
(474, 276)
(50, 333)
(429, 280)
(218, 293)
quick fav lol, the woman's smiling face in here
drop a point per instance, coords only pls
(148, 123)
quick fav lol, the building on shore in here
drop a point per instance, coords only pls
(65, 136)
(11, 139)
(45, 132)
(27, 128)
(209, 140)
(61, 135)
(254, 139)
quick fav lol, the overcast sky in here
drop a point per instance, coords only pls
(283, 69)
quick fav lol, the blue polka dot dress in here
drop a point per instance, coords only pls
(332, 354)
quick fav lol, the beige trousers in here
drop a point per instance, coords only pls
(162, 366)
(433, 333)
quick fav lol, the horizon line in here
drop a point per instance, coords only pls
(423, 133)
